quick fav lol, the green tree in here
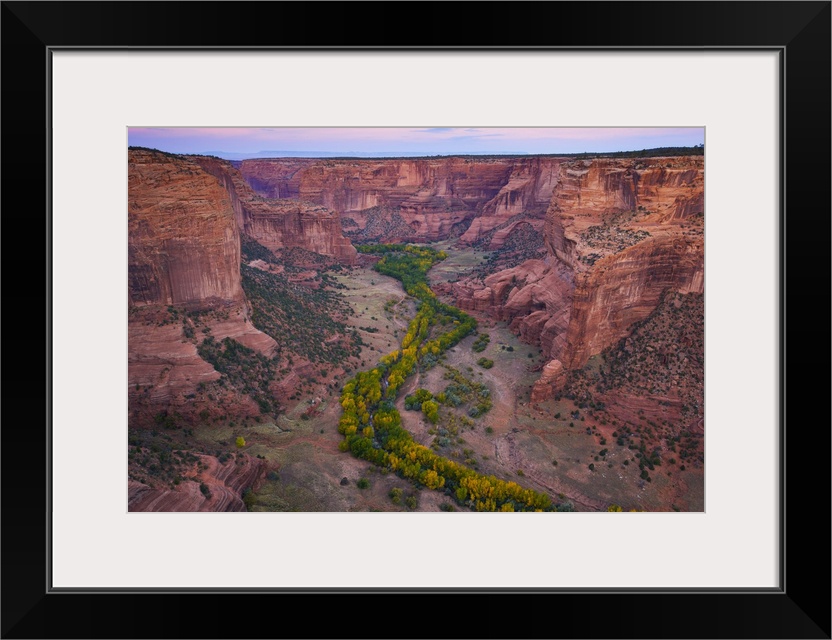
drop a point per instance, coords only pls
(431, 410)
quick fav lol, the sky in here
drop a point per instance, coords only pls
(239, 143)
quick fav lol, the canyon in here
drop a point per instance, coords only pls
(418, 200)
(186, 218)
(586, 253)
(619, 235)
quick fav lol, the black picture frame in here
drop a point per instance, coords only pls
(800, 31)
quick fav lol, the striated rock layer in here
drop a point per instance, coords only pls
(619, 234)
(281, 223)
(183, 246)
(625, 288)
(430, 199)
(225, 483)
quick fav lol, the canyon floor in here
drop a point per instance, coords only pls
(553, 447)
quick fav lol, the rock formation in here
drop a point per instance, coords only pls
(281, 223)
(224, 482)
(619, 234)
(183, 257)
(428, 199)
(184, 247)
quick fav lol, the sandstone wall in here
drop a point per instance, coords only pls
(620, 233)
(183, 245)
(433, 196)
(183, 252)
(281, 223)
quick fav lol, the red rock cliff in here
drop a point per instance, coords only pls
(184, 247)
(281, 223)
(625, 288)
(620, 233)
(429, 198)
(183, 253)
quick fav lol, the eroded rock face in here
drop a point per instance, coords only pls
(184, 253)
(619, 233)
(225, 483)
(552, 376)
(281, 223)
(625, 288)
(425, 199)
(164, 369)
(184, 247)
(501, 235)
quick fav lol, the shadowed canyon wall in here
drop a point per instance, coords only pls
(281, 223)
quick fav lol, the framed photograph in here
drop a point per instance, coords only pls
(81, 79)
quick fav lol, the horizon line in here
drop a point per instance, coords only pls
(357, 155)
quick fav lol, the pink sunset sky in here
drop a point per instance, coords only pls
(238, 143)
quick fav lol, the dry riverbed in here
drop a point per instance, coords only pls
(547, 448)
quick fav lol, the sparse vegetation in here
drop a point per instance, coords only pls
(388, 444)
(647, 386)
(242, 368)
(524, 242)
(481, 342)
(306, 319)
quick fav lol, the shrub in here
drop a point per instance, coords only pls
(481, 342)
(431, 410)
(240, 442)
(362, 483)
